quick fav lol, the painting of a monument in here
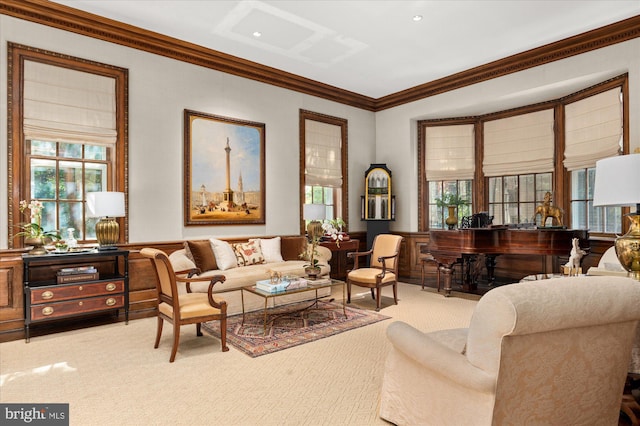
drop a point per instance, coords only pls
(224, 170)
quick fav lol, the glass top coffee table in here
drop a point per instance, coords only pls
(321, 283)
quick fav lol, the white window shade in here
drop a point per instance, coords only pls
(522, 144)
(593, 129)
(61, 104)
(323, 154)
(449, 152)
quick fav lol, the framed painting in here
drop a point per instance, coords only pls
(223, 170)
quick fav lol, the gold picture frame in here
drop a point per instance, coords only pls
(224, 170)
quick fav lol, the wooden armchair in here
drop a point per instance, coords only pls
(382, 270)
(189, 308)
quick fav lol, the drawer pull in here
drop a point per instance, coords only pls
(47, 310)
(80, 303)
(111, 301)
(80, 288)
(47, 294)
(111, 287)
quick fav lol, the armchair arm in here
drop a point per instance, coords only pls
(356, 255)
(439, 359)
(212, 279)
(383, 259)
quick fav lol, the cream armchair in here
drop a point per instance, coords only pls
(548, 352)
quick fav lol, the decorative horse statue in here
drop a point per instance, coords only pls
(546, 210)
(575, 258)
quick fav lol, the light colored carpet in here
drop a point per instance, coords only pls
(112, 375)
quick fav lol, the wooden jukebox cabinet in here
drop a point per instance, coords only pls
(378, 203)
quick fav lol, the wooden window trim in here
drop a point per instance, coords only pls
(343, 123)
(17, 173)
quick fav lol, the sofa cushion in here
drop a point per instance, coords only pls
(248, 253)
(270, 249)
(291, 247)
(202, 255)
(225, 256)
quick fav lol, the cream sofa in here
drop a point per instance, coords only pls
(552, 352)
(279, 254)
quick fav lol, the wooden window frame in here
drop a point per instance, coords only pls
(18, 177)
(343, 123)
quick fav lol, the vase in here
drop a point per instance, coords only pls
(452, 220)
(312, 271)
(38, 245)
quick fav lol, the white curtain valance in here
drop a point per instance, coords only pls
(449, 152)
(62, 104)
(323, 154)
(593, 129)
(521, 144)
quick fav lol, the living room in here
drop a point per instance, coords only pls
(161, 87)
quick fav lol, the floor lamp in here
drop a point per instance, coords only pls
(617, 184)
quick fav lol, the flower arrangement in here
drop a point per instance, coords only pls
(34, 228)
(333, 229)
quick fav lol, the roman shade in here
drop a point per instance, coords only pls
(449, 152)
(593, 129)
(61, 104)
(521, 144)
(323, 154)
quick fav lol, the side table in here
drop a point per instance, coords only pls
(339, 263)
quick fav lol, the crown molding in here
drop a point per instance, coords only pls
(90, 25)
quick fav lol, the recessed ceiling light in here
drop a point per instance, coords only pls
(257, 34)
(417, 18)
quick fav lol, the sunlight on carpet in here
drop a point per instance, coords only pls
(290, 325)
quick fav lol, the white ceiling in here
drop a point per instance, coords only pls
(373, 48)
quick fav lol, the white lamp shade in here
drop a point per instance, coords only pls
(617, 181)
(314, 212)
(105, 204)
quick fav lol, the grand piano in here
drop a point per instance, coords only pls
(449, 247)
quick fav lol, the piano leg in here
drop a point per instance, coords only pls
(446, 272)
(490, 263)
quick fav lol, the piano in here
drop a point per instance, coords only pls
(449, 247)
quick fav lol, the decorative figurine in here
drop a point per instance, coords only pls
(546, 210)
(572, 267)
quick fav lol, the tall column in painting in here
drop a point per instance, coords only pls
(228, 192)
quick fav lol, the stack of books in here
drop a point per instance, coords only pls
(77, 274)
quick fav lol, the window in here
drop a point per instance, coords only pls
(61, 174)
(448, 168)
(323, 152)
(513, 199)
(437, 189)
(594, 130)
(68, 137)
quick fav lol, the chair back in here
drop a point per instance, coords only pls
(166, 281)
(386, 245)
(556, 340)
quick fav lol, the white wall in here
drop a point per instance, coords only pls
(159, 90)
(396, 128)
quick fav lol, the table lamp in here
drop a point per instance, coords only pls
(107, 206)
(618, 184)
(314, 213)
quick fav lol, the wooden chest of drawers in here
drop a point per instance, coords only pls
(46, 300)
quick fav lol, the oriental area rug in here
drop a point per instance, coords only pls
(287, 328)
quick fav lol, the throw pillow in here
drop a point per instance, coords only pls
(270, 249)
(248, 253)
(224, 254)
(291, 247)
(202, 254)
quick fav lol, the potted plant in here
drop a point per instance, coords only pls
(333, 230)
(33, 233)
(312, 269)
(452, 201)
